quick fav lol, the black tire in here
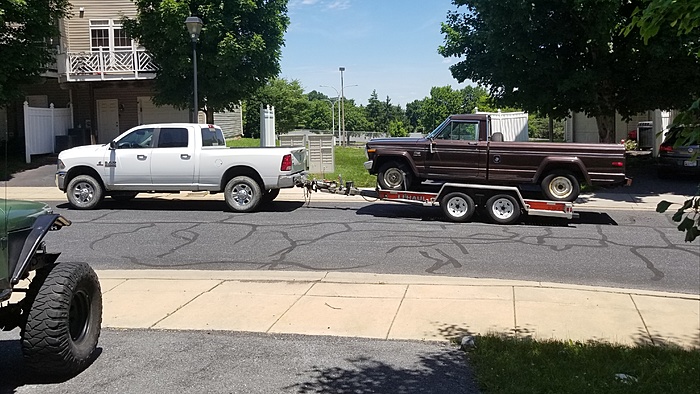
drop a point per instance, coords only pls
(458, 207)
(503, 209)
(391, 176)
(242, 194)
(63, 323)
(123, 197)
(560, 186)
(270, 195)
(84, 192)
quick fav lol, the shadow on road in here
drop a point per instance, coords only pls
(154, 204)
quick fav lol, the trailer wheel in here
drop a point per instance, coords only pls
(84, 192)
(561, 186)
(63, 323)
(392, 175)
(242, 194)
(503, 209)
(458, 207)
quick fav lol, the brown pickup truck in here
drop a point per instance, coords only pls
(463, 149)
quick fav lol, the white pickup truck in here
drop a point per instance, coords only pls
(177, 157)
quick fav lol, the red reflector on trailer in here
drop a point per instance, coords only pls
(286, 163)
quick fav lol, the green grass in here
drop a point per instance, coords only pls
(508, 365)
(348, 163)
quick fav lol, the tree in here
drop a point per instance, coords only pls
(288, 99)
(552, 57)
(26, 30)
(237, 53)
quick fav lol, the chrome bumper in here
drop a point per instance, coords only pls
(368, 165)
(291, 180)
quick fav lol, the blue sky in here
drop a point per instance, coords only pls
(387, 45)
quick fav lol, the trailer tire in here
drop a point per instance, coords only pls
(242, 194)
(84, 192)
(458, 207)
(503, 209)
(392, 174)
(561, 186)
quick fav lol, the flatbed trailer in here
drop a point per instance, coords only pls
(459, 201)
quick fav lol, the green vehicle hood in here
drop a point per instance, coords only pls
(17, 215)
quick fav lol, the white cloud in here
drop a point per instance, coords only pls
(327, 4)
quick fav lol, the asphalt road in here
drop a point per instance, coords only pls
(135, 361)
(631, 249)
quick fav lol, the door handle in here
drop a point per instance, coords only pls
(473, 143)
(141, 157)
(185, 156)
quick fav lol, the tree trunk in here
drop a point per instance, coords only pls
(606, 128)
(209, 115)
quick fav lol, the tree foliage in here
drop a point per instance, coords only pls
(288, 99)
(26, 30)
(552, 57)
(237, 53)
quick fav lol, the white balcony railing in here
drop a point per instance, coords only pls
(106, 65)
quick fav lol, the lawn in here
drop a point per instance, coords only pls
(509, 365)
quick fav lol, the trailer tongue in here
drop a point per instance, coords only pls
(459, 201)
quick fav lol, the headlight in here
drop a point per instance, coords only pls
(60, 166)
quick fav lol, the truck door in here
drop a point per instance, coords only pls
(172, 159)
(455, 152)
(129, 163)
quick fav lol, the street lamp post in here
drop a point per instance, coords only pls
(194, 27)
(332, 113)
(340, 136)
(341, 120)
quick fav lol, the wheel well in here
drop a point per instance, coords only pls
(83, 170)
(399, 159)
(241, 170)
(569, 167)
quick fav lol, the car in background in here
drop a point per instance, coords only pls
(682, 159)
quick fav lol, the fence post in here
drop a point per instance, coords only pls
(27, 154)
(53, 127)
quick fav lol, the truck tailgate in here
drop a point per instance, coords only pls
(299, 159)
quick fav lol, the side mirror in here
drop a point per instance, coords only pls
(112, 145)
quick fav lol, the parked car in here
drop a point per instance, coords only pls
(677, 159)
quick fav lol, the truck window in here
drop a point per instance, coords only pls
(173, 137)
(212, 136)
(460, 131)
(141, 138)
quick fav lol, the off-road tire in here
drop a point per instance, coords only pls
(458, 207)
(270, 195)
(63, 323)
(84, 192)
(503, 209)
(392, 175)
(561, 186)
(242, 194)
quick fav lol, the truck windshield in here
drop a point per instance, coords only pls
(439, 129)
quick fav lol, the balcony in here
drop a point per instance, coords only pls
(104, 65)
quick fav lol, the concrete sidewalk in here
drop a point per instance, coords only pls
(394, 306)
(391, 306)
(597, 201)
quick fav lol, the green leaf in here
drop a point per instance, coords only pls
(662, 206)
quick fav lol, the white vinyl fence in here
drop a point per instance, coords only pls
(42, 125)
(513, 125)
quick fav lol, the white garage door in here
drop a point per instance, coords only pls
(150, 113)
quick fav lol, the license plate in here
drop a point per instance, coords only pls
(690, 163)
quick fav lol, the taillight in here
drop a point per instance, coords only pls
(286, 163)
(618, 164)
(665, 148)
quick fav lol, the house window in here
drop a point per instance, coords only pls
(108, 35)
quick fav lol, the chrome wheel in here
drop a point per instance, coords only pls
(83, 192)
(242, 195)
(561, 187)
(393, 178)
